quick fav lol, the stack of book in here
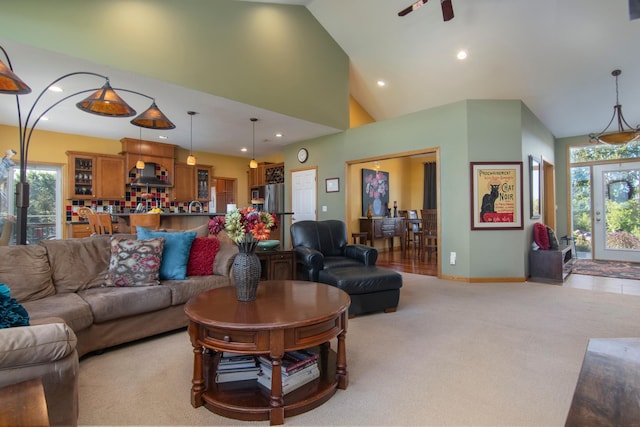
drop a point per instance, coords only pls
(298, 368)
(236, 367)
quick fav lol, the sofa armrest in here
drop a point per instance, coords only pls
(31, 345)
(310, 262)
(46, 351)
(368, 255)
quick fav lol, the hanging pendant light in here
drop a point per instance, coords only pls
(191, 160)
(140, 163)
(622, 136)
(253, 164)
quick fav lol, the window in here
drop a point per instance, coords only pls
(44, 217)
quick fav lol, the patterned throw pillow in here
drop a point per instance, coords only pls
(202, 255)
(134, 262)
(540, 235)
(176, 251)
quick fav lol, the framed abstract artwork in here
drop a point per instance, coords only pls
(496, 195)
(375, 192)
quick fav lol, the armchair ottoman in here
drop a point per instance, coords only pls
(324, 255)
(370, 288)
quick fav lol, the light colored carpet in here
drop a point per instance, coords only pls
(454, 354)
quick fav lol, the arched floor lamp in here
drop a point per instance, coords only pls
(103, 102)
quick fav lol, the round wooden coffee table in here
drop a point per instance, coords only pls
(286, 315)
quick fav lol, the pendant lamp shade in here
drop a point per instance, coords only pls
(153, 118)
(622, 136)
(106, 102)
(10, 83)
(253, 164)
(191, 159)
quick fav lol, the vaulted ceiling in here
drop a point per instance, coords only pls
(555, 55)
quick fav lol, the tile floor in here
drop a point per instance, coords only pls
(603, 284)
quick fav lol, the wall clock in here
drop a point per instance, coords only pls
(303, 155)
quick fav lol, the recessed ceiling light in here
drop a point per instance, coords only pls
(55, 89)
(45, 118)
(278, 135)
(462, 54)
(381, 83)
(163, 137)
(243, 149)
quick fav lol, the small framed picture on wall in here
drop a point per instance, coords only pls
(332, 185)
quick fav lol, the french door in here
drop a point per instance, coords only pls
(616, 211)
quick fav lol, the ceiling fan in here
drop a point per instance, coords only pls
(447, 9)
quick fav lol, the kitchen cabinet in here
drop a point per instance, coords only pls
(257, 176)
(93, 176)
(191, 182)
(183, 183)
(225, 192)
(203, 183)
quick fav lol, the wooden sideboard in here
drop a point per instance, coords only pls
(384, 228)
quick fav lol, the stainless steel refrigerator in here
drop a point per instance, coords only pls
(274, 198)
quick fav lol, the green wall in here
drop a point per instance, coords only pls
(271, 56)
(478, 130)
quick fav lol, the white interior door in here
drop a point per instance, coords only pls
(303, 195)
(616, 204)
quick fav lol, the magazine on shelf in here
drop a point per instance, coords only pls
(236, 362)
(267, 369)
(292, 382)
(292, 360)
(237, 375)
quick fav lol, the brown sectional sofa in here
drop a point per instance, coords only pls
(61, 285)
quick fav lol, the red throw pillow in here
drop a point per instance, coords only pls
(540, 235)
(203, 253)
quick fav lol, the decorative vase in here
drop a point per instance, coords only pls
(246, 270)
(369, 213)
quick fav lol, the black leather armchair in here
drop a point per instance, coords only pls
(321, 245)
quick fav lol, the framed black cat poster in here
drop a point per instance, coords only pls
(496, 196)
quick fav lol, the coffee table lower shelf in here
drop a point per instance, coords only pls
(249, 401)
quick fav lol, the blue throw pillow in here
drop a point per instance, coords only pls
(175, 254)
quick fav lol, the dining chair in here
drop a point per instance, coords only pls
(150, 221)
(105, 225)
(94, 225)
(415, 229)
(430, 231)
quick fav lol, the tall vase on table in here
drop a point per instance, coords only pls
(246, 269)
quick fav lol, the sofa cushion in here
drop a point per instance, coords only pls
(25, 269)
(78, 263)
(175, 254)
(118, 303)
(225, 256)
(31, 345)
(202, 255)
(183, 290)
(68, 306)
(134, 262)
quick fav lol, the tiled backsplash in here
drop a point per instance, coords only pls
(156, 197)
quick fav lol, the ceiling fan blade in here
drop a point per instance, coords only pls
(412, 7)
(447, 10)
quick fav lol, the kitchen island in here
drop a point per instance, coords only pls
(168, 221)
